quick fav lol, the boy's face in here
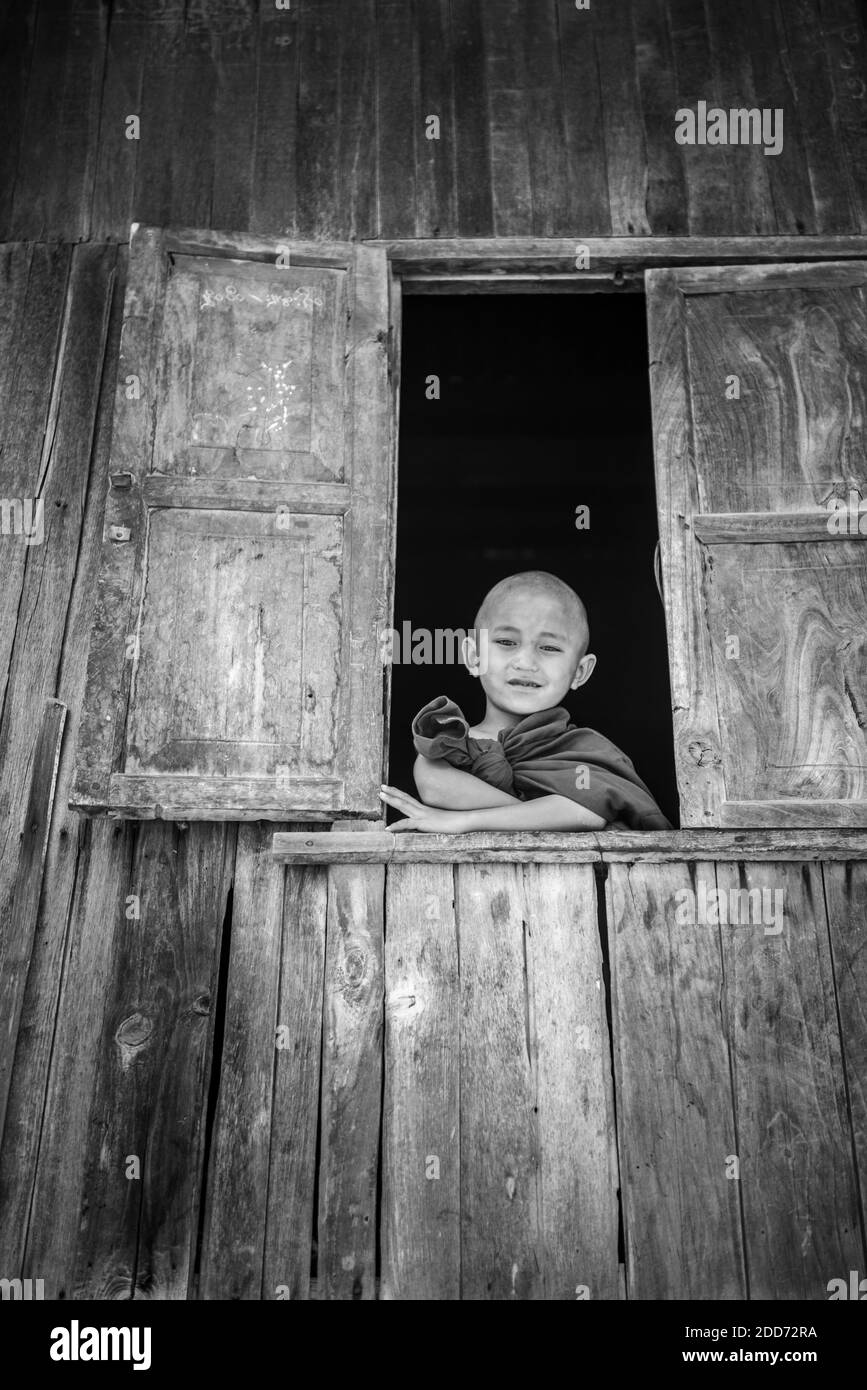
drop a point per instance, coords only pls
(529, 653)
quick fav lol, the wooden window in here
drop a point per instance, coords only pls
(759, 385)
(234, 670)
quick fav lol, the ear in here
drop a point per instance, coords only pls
(583, 671)
(470, 656)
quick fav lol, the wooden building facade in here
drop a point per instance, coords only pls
(337, 1064)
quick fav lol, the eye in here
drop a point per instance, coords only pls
(552, 649)
(504, 642)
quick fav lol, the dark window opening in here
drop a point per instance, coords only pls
(544, 407)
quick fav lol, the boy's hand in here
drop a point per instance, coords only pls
(431, 819)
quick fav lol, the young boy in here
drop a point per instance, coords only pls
(525, 766)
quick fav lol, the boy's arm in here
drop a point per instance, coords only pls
(440, 784)
(543, 813)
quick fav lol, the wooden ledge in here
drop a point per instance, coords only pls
(583, 847)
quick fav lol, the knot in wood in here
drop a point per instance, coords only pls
(132, 1035)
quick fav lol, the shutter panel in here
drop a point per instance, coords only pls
(766, 604)
(234, 668)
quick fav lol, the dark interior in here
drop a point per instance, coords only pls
(544, 406)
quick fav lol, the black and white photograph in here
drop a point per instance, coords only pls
(433, 672)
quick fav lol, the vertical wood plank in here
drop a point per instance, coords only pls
(68, 840)
(845, 35)
(295, 1107)
(16, 943)
(625, 153)
(435, 159)
(57, 159)
(193, 147)
(421, 1164)
(546, 128)
(31, 325)
(351, 1082)
(667, 196)
(122, 93)
(752, 205)
(589, 207)
(138, 1233)
(788, 172)
(807, 62)
(233, 1242)
(846, 898)
(273, 190)
(571, 1060)
(504, 43)
(358, 145)
(163, 83)
(500, 1221)
(675, 1120)
(46, 571)
(398, 128)
(710, 169)
(475, 211)
(794, 1138)
(235, 108)
(47, 1216)
(17, 34)
(317, 188)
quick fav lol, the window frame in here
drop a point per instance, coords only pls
(516, 265)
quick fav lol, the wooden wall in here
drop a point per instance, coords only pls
(311, 120)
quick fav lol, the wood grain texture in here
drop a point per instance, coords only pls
(435, 175)
(794, 1136)
(318, 133)
(352, 1031)
(506, 80)
(263, 373)
(574, 1099)
(475, 211)
(290, 1207)
(546, 128)
(625, 152)
(57, 154)
(589, 209)
(273, 184)
(150, 1081)
(710, 169)
(162, 94)
(123, 91)
(421, 1160)
(384, 847)
(667, 202)
(675, 1115)
(845, 42)
(40, 1012)
(234, 1235)
(793, 705)
(19, 926)
(752, 204)
(696, 725)
(845, 888)
(398, 127)
(500, 1155)
(17, 34)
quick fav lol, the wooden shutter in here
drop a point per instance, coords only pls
(766, 606)
(234, 669)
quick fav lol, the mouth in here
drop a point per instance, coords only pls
(524, 684)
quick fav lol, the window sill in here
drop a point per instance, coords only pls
(581, 847)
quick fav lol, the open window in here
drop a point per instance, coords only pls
(759, 383)
(233, 670)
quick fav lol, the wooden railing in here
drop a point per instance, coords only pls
(461, 987)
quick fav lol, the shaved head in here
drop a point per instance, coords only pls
(540, 584)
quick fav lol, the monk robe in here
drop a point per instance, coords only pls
(540, 756)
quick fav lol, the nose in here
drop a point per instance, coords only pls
(525, 660)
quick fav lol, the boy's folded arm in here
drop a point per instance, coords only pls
(440, 784)
(543, 813)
